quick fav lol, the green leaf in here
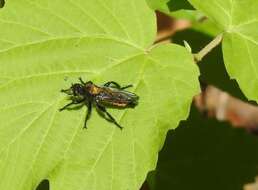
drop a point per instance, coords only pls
(175, 5)
(44, 42)
(207, 27)
(239, 20)
(160, 5)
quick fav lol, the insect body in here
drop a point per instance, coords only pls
(111, 94)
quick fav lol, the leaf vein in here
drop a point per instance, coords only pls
(41, 75)
(251, 60)
(22, 104)
(115, 18)
(24, 129)
(246, 23)
(90, 16)
(101, 37)
(247, 38)
(223, 10)
(57, 16)
(42, 141)
(26, 26)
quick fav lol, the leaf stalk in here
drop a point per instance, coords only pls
(215, 42)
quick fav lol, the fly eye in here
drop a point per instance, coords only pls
(80, 91)
(77, 89)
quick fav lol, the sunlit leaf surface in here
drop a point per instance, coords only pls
(44, 42)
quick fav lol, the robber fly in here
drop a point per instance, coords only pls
(111, 94)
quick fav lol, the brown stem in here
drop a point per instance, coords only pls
(224, 107)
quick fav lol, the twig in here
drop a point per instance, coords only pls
(224, 107)
(216, 41)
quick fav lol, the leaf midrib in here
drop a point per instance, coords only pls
(109, 140)
(99, 36)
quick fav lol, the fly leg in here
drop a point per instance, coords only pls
(88, 114)
(71, 103)
(80, 79)
(116, 85)
(125, 87)
(66, 106)
(109, 117)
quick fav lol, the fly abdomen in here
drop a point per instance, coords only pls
(117, 98)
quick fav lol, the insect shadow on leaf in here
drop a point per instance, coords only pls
(111, 94)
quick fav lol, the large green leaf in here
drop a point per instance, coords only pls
(43, 42)
(239, 20)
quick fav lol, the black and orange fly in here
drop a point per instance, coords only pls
(111, 94)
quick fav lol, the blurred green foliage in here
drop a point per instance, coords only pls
(204, 153)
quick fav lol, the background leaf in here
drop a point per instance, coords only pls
(43, 42)
(175, 5)
(202, 151)
(239, 20)
(184, 10)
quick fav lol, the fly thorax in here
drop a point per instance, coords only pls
(94, 90)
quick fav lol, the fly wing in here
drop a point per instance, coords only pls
(117, 98)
